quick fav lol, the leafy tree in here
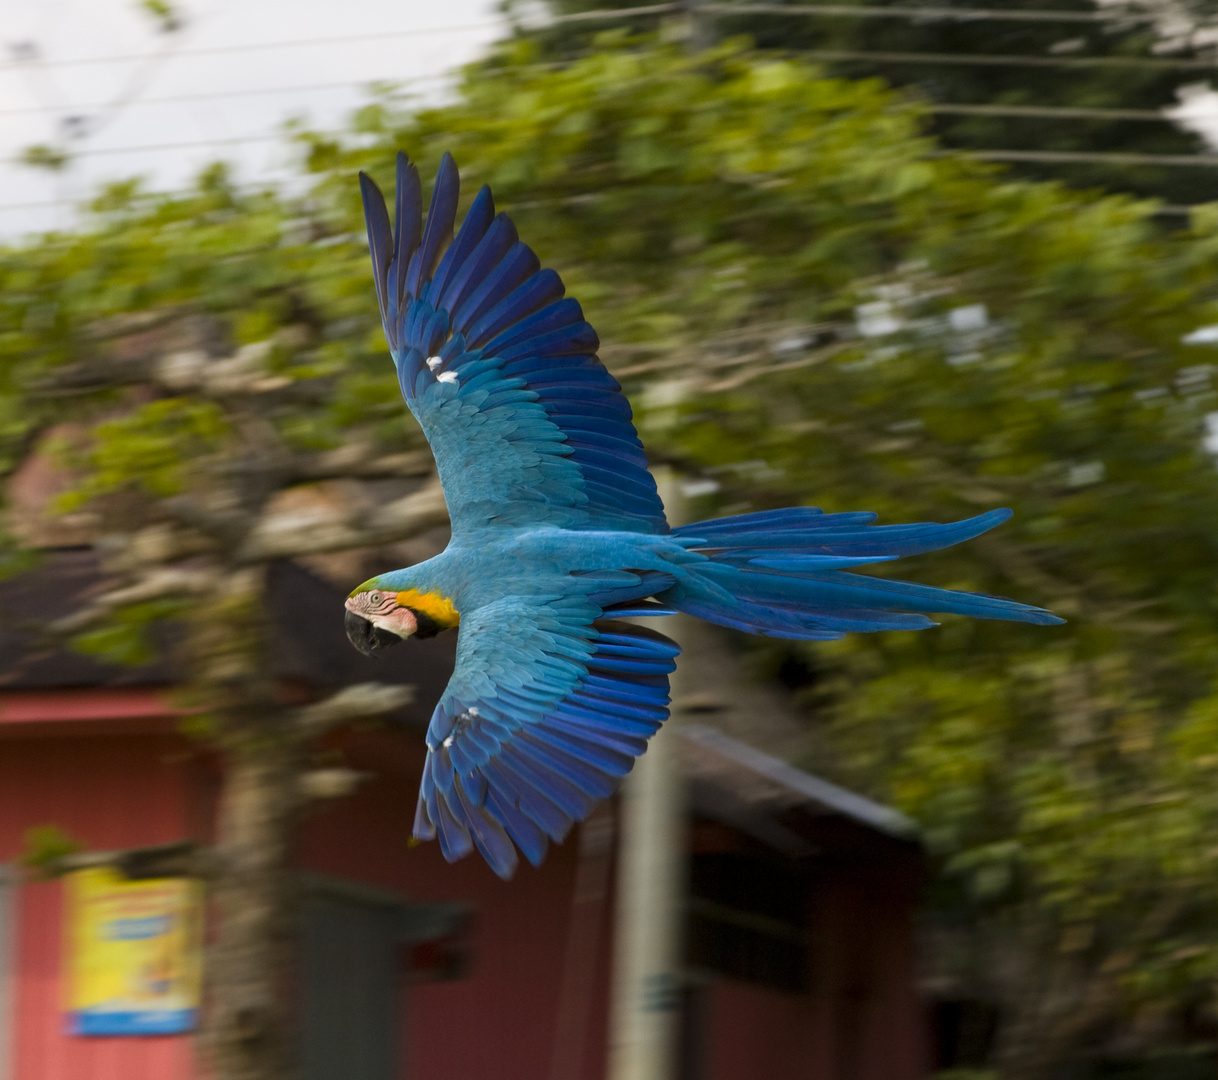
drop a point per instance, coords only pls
(1099, 62)
(214, 357)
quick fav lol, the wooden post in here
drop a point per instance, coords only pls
(647, 955)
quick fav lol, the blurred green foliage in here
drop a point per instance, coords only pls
(43, 846)
(1080, 63)
(811, 306)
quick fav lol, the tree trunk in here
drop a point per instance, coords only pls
(248, 1031)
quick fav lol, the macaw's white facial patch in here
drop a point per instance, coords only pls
(400, 621)
(382, 610)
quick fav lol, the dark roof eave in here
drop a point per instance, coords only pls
(779, 786)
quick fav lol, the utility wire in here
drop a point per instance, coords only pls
(999, 60)
(920, 14)
(211, 95)
(194, 144)
(1088, 157)
(615, 13)
(1062, 112)
(142, 196)
(1063, 156)
(1051, 112)
(224, 50)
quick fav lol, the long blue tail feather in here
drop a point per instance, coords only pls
(780, 573)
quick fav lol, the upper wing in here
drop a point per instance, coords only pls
(546, 710)
(501, 372)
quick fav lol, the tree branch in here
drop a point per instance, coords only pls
(357, 702)
(226, 526)
(359, 461)
(181, 858)
(288, 535)
(158, 583)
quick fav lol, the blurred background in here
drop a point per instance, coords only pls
(918, 259)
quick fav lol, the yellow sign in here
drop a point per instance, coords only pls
(134, 953)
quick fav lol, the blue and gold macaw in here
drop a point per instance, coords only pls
(558, 533)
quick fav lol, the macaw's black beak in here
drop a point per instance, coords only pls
(366, 637)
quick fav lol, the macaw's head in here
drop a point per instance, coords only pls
(378, 617)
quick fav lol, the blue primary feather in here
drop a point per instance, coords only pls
(557, 531)
(516, 267)
(542, 288)
(491, 250)
(477, 221)
(407, 222)
(440, 218)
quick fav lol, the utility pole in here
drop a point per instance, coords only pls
(651, 886)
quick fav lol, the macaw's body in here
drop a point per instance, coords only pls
(558, 533)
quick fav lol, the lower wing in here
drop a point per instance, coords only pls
(547, 708)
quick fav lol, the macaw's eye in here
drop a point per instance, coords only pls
(375, 598)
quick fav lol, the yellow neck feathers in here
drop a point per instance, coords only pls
(433, 605)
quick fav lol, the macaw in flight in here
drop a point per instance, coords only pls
(558, 533)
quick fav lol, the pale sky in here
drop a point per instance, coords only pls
(213, 81)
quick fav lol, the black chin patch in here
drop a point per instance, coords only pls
(366, 637)
(428, 627)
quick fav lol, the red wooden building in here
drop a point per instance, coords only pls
(799, 956)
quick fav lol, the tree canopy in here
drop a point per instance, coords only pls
(1026, 77)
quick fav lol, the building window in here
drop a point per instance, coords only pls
(748, 919)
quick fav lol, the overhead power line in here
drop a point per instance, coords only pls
(212, 95)
(617, 13)
(1052, 112)
(999, 60)
(192, 144)
(261, 46)
(920, 14)
(1060, 156)
(1062, 112)
(1088, 157)
(910, 14)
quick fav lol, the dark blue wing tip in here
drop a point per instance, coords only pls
(373, 198)
(380, 238)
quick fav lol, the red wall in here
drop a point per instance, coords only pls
(108, 792)
(861, 1020)
(501, 1019)
(537, 984)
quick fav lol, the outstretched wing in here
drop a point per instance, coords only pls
(526, 425)
(546, 710)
